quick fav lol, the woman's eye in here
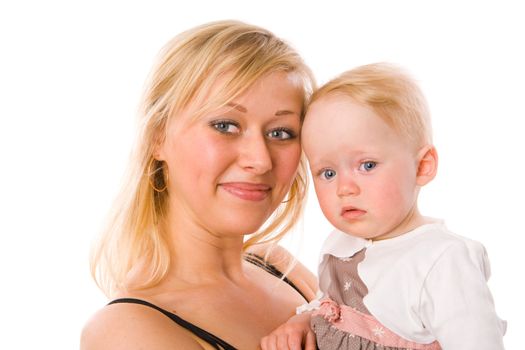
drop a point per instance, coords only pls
(367, 166)
(225, 127)
(328, 174)
(281, 134)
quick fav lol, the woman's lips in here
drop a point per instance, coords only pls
(352, 213)
(247, 191)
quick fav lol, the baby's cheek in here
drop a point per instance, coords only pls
(327, 204)
(392, 200)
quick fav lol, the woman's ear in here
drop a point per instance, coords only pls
(427, 159)
(158, 146)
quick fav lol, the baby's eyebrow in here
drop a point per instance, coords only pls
(314, 165)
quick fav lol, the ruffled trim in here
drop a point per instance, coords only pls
(352, 323)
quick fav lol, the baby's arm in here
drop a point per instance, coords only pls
(292, 335)
(456, 304)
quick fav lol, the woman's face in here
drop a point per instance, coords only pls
(231, 168)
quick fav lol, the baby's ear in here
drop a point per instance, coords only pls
(427, 159)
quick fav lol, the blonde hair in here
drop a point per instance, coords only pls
(391, 93)
(187, 67)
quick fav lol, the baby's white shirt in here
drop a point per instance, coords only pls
(427, 284)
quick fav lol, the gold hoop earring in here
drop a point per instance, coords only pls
(158, 183)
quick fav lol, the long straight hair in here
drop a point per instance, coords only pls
(186, 69)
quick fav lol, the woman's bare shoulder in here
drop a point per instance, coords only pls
(281, 258)
(133, 327)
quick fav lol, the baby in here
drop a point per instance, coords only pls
(389, 277)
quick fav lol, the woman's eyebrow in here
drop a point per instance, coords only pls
(238, 107)
(285, 112)
(243, 109)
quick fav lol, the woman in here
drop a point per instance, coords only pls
(218, 154)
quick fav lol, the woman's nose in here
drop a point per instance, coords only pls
(255, 155)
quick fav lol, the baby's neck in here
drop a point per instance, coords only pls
(412, 222)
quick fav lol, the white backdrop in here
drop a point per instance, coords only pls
(71, 73)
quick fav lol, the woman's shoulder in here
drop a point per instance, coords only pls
(133, 326)
(282, 259)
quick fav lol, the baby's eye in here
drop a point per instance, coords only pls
(327, 174)
(281, 134)
(367, 166)
(225, 126)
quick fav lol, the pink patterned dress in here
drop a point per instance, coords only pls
(344, 322)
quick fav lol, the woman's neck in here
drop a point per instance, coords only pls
(198, 255)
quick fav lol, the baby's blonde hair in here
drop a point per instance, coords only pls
(232, 53)
(391, 93)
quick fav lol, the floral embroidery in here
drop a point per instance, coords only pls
(379, 331)
(331, 310)
(347, 286)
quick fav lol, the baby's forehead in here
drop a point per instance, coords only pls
(336, 104)
(328, 140)
(340, 111)
(337, 110)
(330, 99)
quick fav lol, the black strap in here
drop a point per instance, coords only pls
(213, 340)
(259, 261)
(216, 342)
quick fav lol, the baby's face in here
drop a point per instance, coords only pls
(364, 173)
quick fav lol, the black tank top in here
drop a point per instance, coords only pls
(213, 340)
